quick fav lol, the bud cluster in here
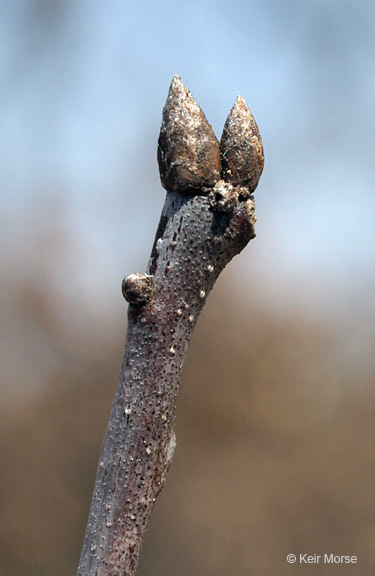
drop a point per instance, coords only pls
(190, 157)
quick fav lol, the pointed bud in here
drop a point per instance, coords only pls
(188, 150)
(241, 147)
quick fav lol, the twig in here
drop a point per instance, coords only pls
(205, 221)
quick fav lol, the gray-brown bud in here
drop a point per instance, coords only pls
(138, 289)
(188, 150)
(241, 147)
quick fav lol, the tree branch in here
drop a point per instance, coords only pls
(205, 221)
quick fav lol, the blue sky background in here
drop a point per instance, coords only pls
(83, 87)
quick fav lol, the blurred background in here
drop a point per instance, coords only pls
(275, 422)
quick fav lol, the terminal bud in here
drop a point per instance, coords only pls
(188, 150)
(241, 148)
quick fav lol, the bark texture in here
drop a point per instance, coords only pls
(203, 225)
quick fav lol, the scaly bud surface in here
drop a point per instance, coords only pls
(188, 150)
(241, 148)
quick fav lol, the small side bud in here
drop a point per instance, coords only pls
(188, 150)
(241, 148)
(138, 289)
(223, 197)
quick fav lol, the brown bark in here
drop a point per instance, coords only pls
(204, 223)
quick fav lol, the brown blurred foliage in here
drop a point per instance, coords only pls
(274, 443)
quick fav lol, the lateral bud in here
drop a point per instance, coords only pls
(188, 150)
(241, 148)
(138, 289)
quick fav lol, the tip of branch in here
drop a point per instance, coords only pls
(188, 150)
(241, 147)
